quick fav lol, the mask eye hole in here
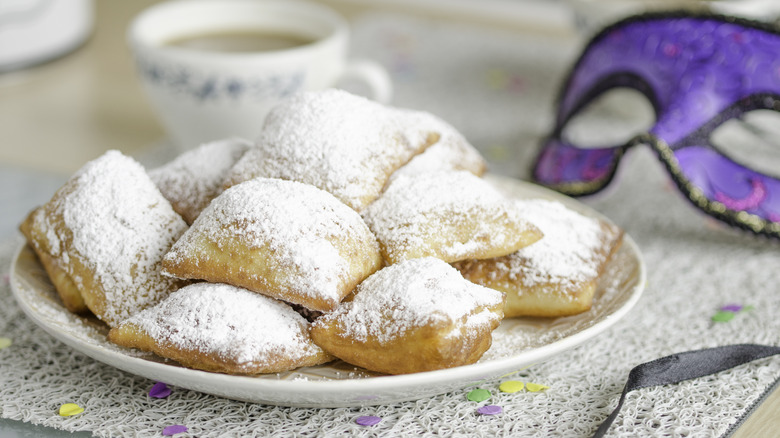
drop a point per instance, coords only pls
(753, 140)
(611, 119)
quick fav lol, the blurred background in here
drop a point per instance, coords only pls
(68, 89)
(62, 107)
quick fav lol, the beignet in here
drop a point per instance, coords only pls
(451, 152)
(191, 180)
(417, 315)
(222, 328)
(556, 276)
(284, 239)
(341, 143)
(55, 267)
(102, 237)
(449, 215)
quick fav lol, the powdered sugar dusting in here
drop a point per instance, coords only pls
(300, 224)
(411, 294)
(338, 142)
(451, 152)
(565, 254)
(236, 324)
(196, 177)
(121, 227)
(413, 209)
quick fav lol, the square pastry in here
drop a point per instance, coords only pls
(417, 315)
(556, 276)
(222, 328)
(284, 239)
(102, 238)
(344, 144)
(451, 215)
(191, 180)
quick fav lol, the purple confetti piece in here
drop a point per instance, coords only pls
(368, 420)
(490, 410)
(731, 308)
(174, 429)
(160, 390)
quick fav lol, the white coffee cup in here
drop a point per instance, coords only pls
(202, 95)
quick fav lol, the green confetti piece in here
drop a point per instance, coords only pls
(511, 386)
(723, 316)
(5, 343)
(478, 395)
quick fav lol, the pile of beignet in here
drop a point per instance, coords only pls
(348, 230)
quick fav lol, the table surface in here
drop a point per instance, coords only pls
(56, 116)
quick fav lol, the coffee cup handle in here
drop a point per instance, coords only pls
(373, 75)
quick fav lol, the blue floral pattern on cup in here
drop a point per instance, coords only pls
(213, 87)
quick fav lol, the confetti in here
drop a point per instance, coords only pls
(70, 409)
(511, 386)
(722, 316)
(478, 395)
(731, 308)
(174, 429)
(535, 387)
(490, 410)
(499, 152)
(496, 78)
(160, 390)
(368, 420)
(728, 312)
(5, 343)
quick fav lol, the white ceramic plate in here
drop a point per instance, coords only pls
(517, 343)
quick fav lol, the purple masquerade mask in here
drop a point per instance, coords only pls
(698, 72)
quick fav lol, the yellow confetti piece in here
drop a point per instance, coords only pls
(5, 343)
(498, 153)
(511, 386)
(535, 387)
(496, 79)
(70, 409)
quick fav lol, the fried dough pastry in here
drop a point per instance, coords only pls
(102, 236)
(222, 328)
(344, 144)
(55, 267)
(449, 215)
(451, 152)
(417, 315)
(196, 177)
(285, 239)
(556, 276)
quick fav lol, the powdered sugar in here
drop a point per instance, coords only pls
(194, 178)
(120, 226)
(451, 152)
(415, 209)
(338, 142)
(567, 252)
(299, 224)
(233, 323)
(411, 294)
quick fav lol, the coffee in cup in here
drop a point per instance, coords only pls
(214, 68)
